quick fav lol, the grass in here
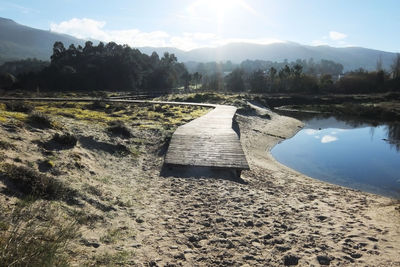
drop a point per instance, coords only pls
(35, 235)
(121, 258)
(112, 236)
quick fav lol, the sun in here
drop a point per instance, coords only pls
(219, 8)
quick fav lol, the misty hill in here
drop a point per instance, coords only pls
(19, 42)
(350, 57)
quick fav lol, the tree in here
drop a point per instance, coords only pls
(197, 78)
(396, 67)
(58, 50)
(257, 81)
(379, 63)
(235, 81)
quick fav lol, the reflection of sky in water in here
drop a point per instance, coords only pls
(361, 158)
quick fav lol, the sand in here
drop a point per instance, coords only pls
(274, 216)
(278, 217)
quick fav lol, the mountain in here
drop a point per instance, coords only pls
(350, 57)
(18, 41)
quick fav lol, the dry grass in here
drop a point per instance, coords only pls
(35, 235)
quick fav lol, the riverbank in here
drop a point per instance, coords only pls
(346, 225)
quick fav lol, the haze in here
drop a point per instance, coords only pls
(202, 23)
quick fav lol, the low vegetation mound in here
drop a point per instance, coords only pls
(19, 106)
(119, 128)
(39, 120)
(32, 183)
(66, 140)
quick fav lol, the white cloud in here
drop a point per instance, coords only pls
(81, 28)
(335, 36)
(92, 29)
(328, 139)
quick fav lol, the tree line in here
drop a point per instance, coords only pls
(113, 67)
(102, 67)
(302, 77)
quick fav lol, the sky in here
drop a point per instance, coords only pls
(189, 24)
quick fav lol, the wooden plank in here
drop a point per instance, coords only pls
(208, 141)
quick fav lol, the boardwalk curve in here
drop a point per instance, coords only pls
(208, 141)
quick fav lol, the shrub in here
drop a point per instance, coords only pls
(35, 235)
(119, 128)
(66, 140)
(97, 105)
(39, 120)
(19, 106)
(32, 183)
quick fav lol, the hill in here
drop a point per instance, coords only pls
(18, 41)
(350, 57)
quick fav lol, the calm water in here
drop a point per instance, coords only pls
(351, 154)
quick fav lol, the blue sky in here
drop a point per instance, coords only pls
(188, 24)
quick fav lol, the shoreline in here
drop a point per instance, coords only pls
(375, 209)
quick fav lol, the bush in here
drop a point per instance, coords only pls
(39, 120)
(119, 128)
(19, 106)
(35, 235)
(97, 105)
(66, 140)
(35, 184)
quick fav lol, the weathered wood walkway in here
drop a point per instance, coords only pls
(208, 141)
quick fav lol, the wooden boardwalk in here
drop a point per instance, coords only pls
(208, 141)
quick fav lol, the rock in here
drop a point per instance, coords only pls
(290, 260)
(324, 260)
(372, 239)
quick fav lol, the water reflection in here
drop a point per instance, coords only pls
(315, 121)
(393, 136)
(356, 154)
